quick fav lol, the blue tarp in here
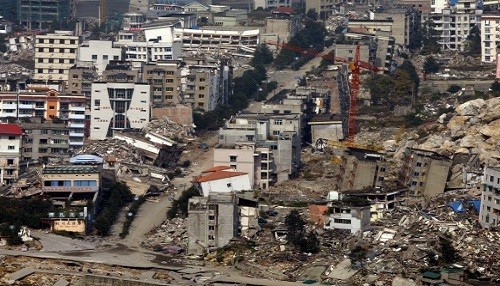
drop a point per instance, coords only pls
(457, 207)
(453, 2)
(476, 204)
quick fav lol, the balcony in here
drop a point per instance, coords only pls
(76, 134)
(9, 106)
(77, 125)
(26, 106)
(76, 143)
(76, 116)
(76, 108)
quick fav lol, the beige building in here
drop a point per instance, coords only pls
(324, 8)
(55, 54)
(425, 173)
(164, 77)
(361, 169)
(490, 37)
(283, 26)
(10, 152)
(489, 214)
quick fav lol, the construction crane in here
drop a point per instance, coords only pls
(355, 66)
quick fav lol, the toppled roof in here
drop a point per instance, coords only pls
(10, 129)
(284, 10)
(218, 175)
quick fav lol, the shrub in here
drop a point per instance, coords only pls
(454, 88)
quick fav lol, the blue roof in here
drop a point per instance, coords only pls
(457, 207)
(453, 2)
(476, 204)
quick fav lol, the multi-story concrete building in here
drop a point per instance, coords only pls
(80, 78)
(382, 201)
(10, 152)
(118, 106)
(283, 25)
(371, 26)
(454, 21)
(41, 14)
(324, 8)
(271, 4)
(490, 37)
(55, 54)
(348, 215)
(44, 140)
(99, 53)
(376, 49)
(49, 105)
(405, 24)
(164, 77)
(206, 82)
(361, 169)
(425, 173)
(212, 222)
(489, 214)
(236, 39)
(152, 51)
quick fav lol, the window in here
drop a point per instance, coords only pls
(40, 60)
(229, 185)
(492, 179)
(211, 227)
(211, 237)
(12, 147)
(201, 96)
(61, 61)
(97, 102)
(413, 183)
(94, 57)
(51, 41)
(40, 70)
(116, 57)
(72, 42)
(274, 147)
(419, 164)
(416, 174)
(105, 57)
(211, 217)
(51, 50)
(276, 132)
(10, 162)
(232, 158)
(169, 88)
(12, 137)
(278, 122)
(202, 79)
(342, 221)
(201, 88)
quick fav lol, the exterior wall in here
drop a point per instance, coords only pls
(55, 54)
(240, 158)
(43, 140)
(51, 179)
(490, 37)
(324, 8)
(99, 53)
(266, 4)
(133, 114)
(40, 14)
(80, 80)
(152, 52)
(204, 39)
(330, 131)
(180, 113)
(489, 214)
(165, 81)
(359, 174)
(372, 26)
(10, 152)
(228, 185)
(349, 51)
(358, 219)
(284, 28)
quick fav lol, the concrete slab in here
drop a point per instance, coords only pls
(312, 273)
(343, 270)
(61, 282)
(18, 275)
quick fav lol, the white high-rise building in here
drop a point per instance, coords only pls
(490, 37)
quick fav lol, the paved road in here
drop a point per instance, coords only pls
(481, 85)
(58, 243)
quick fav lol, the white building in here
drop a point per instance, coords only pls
(490, 37)
(10, 152)
(55, 54)
(118, 106)
(99, 53)
(222, 179)
(271, 4)
(216, 40)
(151, 52)
(343, 215)
(489, 214)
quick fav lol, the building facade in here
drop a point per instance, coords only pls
(489, 214)
(55, 54)
(164, 77)
(41, 14)
(10, 152)
(343, 215)
(361, 169)
(44, 140)
(118, 106)
(425, 173)
(271, 4)
(490, 37)
(99, 53)
(222, 179)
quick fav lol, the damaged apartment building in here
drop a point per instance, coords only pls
(266, 146)
(213, 221)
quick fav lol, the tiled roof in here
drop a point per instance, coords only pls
(286, 10)
(10, 129)
(219, 175)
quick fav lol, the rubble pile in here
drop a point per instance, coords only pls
(113, 148)
(170, 237)
(170, 129)
(12, 70)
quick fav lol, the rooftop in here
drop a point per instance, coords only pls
(218, 175)
(70, 169)
(10, 129)
(364, 154)
(216, 169)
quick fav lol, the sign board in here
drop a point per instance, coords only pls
(74, 225)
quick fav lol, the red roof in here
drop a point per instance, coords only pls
(284, 10)
(217, 168)
(10, 129)
(219, 175)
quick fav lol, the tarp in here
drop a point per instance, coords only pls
(476, 204)
(85, 159)
(457, 207)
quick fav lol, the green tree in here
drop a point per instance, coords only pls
(262, 56)
(448, 252)
(409, 68)
(495, 87)
(430, 37)
(295, 227)
(380, 87)
(180, 206)
(431, 65)
(473, 43)
(311, 243)
(312, 14)
(358, 257)
(402, 90)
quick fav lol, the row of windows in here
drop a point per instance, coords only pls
(42, 71)
(492, 179)
(159, 88)
(144, 49)
(60, 61)
(58, 50)
(56, 41)
(342, 221)
(105, 57)
(67, 183)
